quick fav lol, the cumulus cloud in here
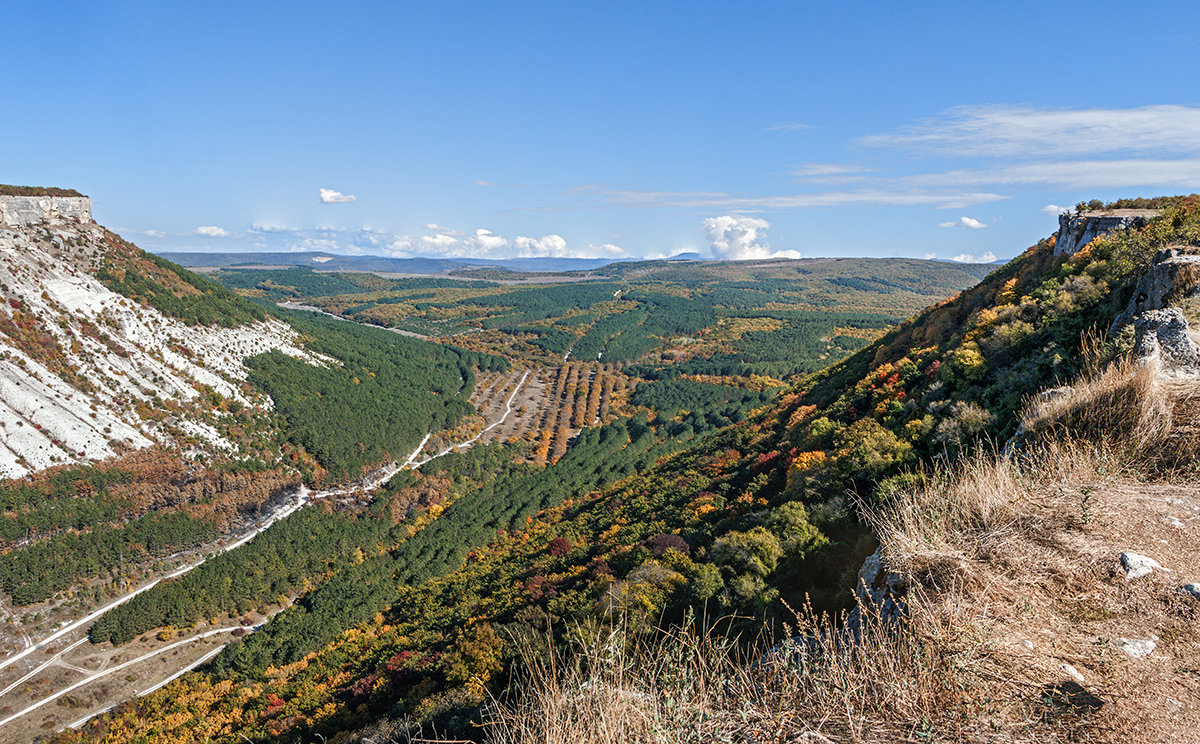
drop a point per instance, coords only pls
(547, 245)
(740, 237)
(930, 256)
(987, 257)
(486, 243)
(968, 222)
(1054, 210)
(606, 249)
(1017, 131)
(329, 196)
(212, 231)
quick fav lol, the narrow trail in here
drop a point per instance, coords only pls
(112, 670)
(485, 430)
(70, 628)
(313, 309)
(43, 665)
(287, 508)
(293, 502)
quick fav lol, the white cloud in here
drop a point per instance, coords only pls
(794, 127)
(987, 257)
(1015, 131)
(260, 227)
(930, 256)
(481, 182)
(486, 243)
(547, 245)
(329, 196)
(829, 171)
(212, 231)
(739, 238)
(435, 227)
(1072, 174)
(482, 243)
(1054, 210)
(881, 197)
(968, 222)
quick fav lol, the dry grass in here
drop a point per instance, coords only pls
(887, 682)
(1003, 565)
(1121, 405)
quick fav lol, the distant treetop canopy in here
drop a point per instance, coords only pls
(7, 190)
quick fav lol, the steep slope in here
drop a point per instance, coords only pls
(87, 372)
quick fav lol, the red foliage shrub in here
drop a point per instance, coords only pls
(659, 544)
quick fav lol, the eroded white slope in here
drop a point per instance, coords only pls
(120, 357)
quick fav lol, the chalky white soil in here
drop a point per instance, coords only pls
(44, 420)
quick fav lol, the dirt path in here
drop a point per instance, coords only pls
(312, 309)
(112, 670)
(486, 429)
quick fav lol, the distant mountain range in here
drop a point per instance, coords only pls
(419, 265)
(333, 262)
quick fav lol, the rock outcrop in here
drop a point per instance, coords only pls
(1161, 329)
(1077, 230)
(20, 211)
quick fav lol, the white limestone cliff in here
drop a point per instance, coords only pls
(21, 211)
(114, 359)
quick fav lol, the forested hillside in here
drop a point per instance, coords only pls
(640, 523)
(154, 411)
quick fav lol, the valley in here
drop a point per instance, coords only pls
(434, 480)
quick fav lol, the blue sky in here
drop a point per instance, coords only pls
(613, 129)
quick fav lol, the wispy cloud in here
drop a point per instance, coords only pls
(792, 127)
(434, 227)
(212, 231)
(829, 171)
(968, 222)
(329, 196)
(878, 197)
(1071, 174)
(1022, 132)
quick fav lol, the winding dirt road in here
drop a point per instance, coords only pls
(294, 501)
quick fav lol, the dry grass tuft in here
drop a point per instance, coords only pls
(1122, 406)
(884, 681)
